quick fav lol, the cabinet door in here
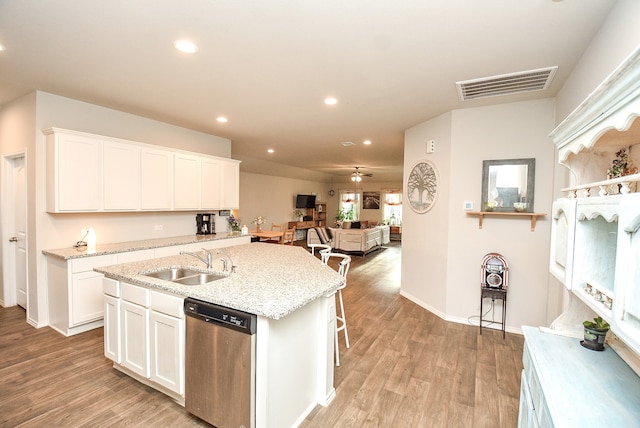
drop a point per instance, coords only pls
(134, 336)
(156, 179)
(167, 351)
(186, 182)
(112, 328)
(86, 298)
(230, 185)
(121, 176)
(210, 198)
(77, 173)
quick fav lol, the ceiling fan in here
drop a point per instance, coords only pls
(357, 175)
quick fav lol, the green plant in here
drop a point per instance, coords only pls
(597, 324)
(298, 213)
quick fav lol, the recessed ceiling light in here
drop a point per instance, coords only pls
(222, 119)
(2, 48)
(330, 101)
(366, 142)
(271, 151)
(185, 46)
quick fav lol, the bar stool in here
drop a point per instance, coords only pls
(319, 247)
(341, 319)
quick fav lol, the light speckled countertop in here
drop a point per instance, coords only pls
(270, 280)
(122, 247)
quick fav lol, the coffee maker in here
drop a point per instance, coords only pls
(205, 224)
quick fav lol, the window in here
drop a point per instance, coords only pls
(350, 205)
(392, 207)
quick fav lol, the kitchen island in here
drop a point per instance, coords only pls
(290, 291)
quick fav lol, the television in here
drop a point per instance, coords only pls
(306, 201)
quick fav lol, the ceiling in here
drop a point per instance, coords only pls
(268, 65)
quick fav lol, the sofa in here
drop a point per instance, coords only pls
(350, 240)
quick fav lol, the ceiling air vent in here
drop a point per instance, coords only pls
(513, 83)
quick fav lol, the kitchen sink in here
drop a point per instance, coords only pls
(172, 274)
(185, 276)
(199, 279)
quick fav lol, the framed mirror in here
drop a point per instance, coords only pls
(508, 185)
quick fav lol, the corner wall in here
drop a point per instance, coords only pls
(442, 255)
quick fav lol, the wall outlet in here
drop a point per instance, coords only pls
(158, 227)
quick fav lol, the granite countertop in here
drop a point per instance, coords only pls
(270, 280)
(122, 247)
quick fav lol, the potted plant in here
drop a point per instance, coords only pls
(297, 214)
(594, 334)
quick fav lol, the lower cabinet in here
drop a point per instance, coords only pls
(558, 373)
(144, 332)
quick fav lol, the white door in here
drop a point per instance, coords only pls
(20, 230)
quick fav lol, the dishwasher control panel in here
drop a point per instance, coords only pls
(209, 312)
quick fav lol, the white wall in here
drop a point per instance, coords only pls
(618, 37)
(444, 249)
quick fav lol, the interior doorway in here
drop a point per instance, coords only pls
(14, 211)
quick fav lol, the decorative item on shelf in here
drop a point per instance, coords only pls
(520, 207)
(595, 333)
(259, 221)
(234, 225)
(297, 214)
(489, 206)
(622, 165)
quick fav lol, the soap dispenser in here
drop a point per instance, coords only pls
(245, 230)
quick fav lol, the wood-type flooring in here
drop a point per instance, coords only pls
(405, 368)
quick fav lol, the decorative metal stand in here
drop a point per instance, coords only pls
(494, 278)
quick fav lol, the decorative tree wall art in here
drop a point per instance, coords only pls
(422, 187)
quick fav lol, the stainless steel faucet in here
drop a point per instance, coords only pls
(224, 260)
(208, 261)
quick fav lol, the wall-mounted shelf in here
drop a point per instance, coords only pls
(482, 214)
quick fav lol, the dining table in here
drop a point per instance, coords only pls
(268, 234)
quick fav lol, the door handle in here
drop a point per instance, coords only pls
(13, 239)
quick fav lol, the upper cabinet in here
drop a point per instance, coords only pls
(156, 179)
(76, 184)
(90, 173)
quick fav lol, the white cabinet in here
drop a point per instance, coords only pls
(563, 223)
(144, 332)
(626, 311)
(210, 184)
(167, 341)
(186, 182)
(121, 176)
(75, 293)
(74, 168)
(230, 185)
(134, 337)
(156, 179)
(112, 328)
(93, 173)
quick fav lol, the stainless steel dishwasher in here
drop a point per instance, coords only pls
(220, 364)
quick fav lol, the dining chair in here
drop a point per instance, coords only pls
(275, 228)
(320, 248)
(341, 319)
(289, 236)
